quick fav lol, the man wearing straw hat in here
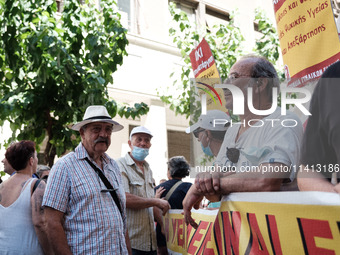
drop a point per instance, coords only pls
(84, 198)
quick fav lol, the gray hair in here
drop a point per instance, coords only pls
(178, 167)
(262, 68)
(41, 169)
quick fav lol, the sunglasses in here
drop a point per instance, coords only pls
(197, 131)
(233, 154)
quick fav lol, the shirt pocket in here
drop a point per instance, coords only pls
(86, 187)
(137, 188)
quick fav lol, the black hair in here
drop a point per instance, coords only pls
(18, 154)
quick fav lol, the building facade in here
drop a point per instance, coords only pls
(152, 57)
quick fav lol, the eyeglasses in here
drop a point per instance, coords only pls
(197, 131)
(233, 154)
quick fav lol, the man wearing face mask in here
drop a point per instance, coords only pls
(210, 130)
(140, 202)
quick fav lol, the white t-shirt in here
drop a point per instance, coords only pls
(273, 139)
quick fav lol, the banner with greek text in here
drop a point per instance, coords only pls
(206, 76)
(260, 223)
(308, 38)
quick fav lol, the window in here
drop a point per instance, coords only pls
(124, 7)
(214, 17)
(178, 144)
(132, 15)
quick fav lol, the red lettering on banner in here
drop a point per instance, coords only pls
(274, 234)
(207, 239)
(180, 237)
(218, 233)
(197, 237)
(230, 233)
(311, 228)
(258, 246)
(189, 228)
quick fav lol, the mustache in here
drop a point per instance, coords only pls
(101, 140)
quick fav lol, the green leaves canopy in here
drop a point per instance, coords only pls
(226, 44)
(53, 66)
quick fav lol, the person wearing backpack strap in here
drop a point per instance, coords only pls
(174, 192)
(22, 218)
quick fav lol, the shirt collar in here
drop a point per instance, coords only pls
(81, 153)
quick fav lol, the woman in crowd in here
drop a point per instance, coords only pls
(174, 190)
(21, 215)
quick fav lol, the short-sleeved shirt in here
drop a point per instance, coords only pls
(140, 222)
(270, 142)
(178, 195)
(321, 142)
(93, 222)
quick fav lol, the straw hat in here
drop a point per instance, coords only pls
(97, 113)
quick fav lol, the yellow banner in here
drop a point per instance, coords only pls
(261, 223)
(308, 38)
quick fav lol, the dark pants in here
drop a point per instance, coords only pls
(138, 252)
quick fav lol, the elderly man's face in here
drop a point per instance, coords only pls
(239, 75)
(96, 137)
(140, 140)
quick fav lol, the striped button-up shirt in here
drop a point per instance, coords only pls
(93, 223)
(140, 222)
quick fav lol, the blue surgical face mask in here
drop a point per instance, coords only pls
(139, 153)
(207, 151)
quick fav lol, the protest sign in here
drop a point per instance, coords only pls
(261, 223)
(308, 38)
(206, 76)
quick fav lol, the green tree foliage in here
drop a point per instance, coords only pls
(268, 45)
(52, 66)
(225, 42)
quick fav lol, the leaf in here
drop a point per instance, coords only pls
(9, 75)
(52, 74)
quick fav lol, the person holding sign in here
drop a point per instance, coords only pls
(320, 153)
(258, 153)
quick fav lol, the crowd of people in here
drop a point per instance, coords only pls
(89, 203)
